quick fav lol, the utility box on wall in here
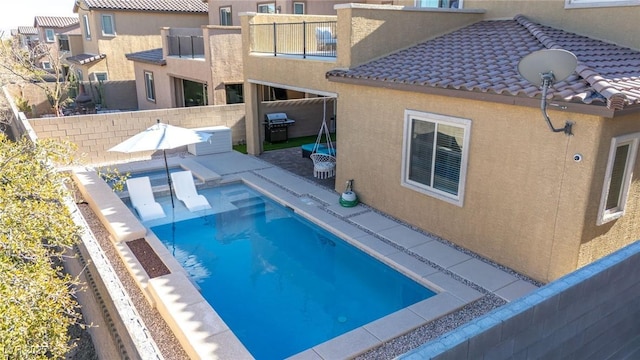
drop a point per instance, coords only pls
(219, 142)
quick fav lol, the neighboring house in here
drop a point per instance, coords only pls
(195, 67)
(226, 13)
(61, 36)
(437, 128)
(112, 28)
(202, 66)
(26, 35)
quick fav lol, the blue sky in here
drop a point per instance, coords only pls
(22, 12)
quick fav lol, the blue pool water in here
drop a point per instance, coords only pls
(281, 283)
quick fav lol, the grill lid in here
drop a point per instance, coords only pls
(277, 117)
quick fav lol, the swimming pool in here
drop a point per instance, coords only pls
(281, 283)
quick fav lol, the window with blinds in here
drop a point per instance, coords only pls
(435, 154)
(622, 157)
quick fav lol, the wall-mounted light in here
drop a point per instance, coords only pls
(278, 9)
(543, 68)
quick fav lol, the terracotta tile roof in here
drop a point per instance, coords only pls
(484, 57)
(27, 30)
(55, 21)
(189, 6)
(153, 56)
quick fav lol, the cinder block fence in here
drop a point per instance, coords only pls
(588, 314)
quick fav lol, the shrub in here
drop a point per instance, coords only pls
(36, 296)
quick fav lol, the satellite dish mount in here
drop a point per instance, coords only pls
(545, 67)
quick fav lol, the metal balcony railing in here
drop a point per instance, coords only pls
(186, 46)
(299, 39)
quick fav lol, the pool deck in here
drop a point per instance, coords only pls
(458, 277)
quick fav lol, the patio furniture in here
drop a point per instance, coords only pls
(324, 162)
(142, 199)
(307, 149)
(325, 39)
(324, 166)
(186, 191)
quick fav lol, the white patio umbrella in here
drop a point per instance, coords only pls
(161, 137)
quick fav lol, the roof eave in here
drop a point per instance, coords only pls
(597, 110)
(152, 62)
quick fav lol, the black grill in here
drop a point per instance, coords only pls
(276, 127)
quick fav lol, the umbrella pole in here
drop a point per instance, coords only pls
(166, 167)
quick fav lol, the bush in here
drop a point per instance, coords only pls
(36, 296)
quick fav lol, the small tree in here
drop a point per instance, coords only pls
(36, 303)
(22, 63)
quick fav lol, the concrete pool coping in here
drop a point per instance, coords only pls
(458, 278)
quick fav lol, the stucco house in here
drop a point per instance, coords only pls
(111, 29)
(60, 34)
(437, 127)
(27, 36)
(202, 66)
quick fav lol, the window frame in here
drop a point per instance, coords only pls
(62, 41)
(113, 24)
(48, 38)
(581, 4)
(228, 87)
(228, 10)
(149, 86)
(87, 27)
(606, 215)
(465, 125)
(95, 75)
(46, 65)
(304, 7)
(268, 4)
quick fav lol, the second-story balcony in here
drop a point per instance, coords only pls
(304, 39)
(185, 45)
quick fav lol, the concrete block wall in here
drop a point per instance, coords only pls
(95, 134)
(588, 314)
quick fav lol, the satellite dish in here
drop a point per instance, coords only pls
(557, 62)
(543, 68)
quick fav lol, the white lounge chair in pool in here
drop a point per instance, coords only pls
(141, 195)
(186, 191)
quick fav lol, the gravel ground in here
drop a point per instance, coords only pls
(160, 331)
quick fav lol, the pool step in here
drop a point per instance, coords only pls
(250, 206)
(248, 203)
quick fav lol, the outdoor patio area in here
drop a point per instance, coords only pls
(291, 159)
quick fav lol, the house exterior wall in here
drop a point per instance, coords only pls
(315, 7)
(56, 55)
(584, 21)
(162, 82)
(606, 238)
(75, 44)
(526, 202)
(367, 32)
(135, 31)
(220, 66)
(225, 57)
